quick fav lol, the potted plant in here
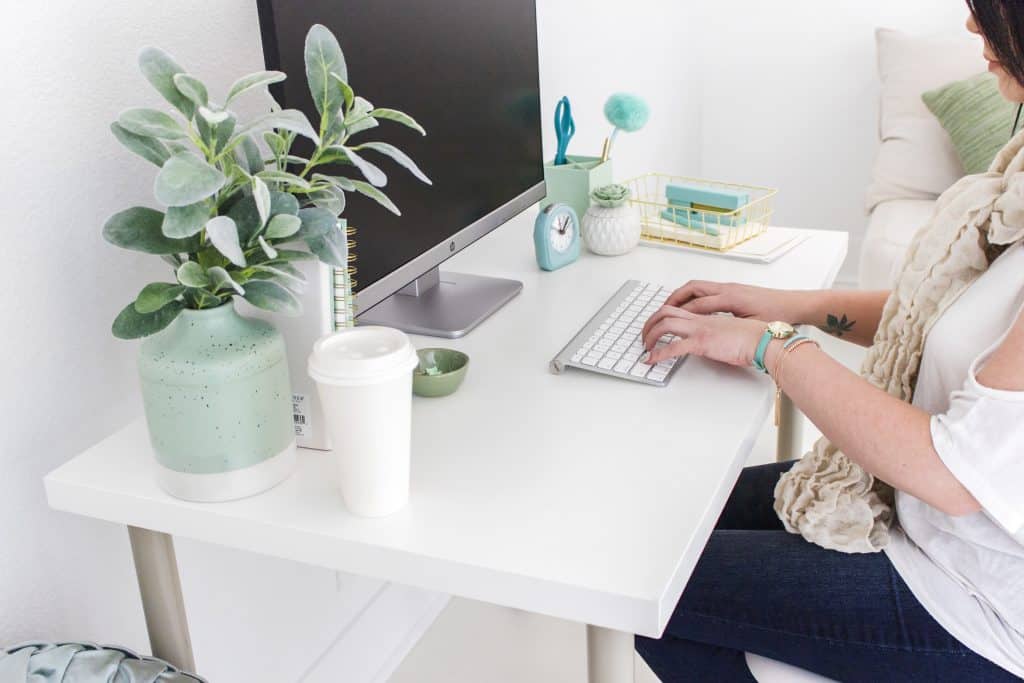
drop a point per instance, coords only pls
(234, 219)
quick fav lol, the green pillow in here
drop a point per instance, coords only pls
(976, 117)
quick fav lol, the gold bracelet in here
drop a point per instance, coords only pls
(786, 350)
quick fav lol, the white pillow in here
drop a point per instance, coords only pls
(916, 159)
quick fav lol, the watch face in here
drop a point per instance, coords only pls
(781, 330)
(561, 232)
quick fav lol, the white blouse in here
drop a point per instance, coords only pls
(968, 571)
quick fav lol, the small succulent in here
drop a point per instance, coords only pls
(611, 195)
(233, 216)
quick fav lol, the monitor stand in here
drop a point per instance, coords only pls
(442, 304)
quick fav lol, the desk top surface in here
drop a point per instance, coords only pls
(575, 495)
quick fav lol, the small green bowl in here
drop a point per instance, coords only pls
(453, 366)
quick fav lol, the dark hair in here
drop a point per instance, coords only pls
(1002, 24)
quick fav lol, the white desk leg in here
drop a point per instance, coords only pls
(790, 439)
(609, 656)
(162, 602)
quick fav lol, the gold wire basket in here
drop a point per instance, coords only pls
(345, 284)
(705, 228)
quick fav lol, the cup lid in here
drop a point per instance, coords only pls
(361, 353)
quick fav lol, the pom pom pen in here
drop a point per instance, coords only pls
(565, 128)
(625, 112)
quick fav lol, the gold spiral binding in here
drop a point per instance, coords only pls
(344, 285)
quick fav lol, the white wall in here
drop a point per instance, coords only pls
(803, 72)
(789, 95)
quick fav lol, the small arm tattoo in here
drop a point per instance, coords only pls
(838, 326)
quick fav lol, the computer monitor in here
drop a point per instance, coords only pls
(467, 71)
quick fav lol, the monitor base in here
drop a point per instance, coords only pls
(444, 304)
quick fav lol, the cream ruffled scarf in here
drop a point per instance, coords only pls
(829, 499)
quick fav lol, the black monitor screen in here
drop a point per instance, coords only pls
(465, 69)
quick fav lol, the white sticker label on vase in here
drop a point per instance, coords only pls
(300, 415)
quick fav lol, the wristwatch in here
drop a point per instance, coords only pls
(775, 330)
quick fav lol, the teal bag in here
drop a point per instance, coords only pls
(84, 663)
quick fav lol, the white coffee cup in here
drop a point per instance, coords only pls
(364, 379)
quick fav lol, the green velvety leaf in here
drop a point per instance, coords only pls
(284, 178)
(250, 155)
(334, 154)
(275, 142)
(156, 295)
(130, 324)
(271, 296)
(246, 218)
(316, 222)
(151, 123)
(221, 279)
(398, 117)
(323, 56)
(139, 229)
(331, 199)
(216, 133)
(185, 221)
(360, 107)
(148, 148)
(359, 125)
(291, 279)
(346, 91)
(282, 226)
(287, 119)
(369, 171)
(330, 248)
(291, 255)
(261, 193)
(192, 88)
(254, 80)
(376, 195)
(282, 202)
(399, 156)
(159, 69)
(186, 179)
(340, 182)
(267, 249)
(223, 234)
(191, 274)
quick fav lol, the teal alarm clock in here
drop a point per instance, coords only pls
(556, 236)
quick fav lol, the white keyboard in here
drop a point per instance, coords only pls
(610, 343)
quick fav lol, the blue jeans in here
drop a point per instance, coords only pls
(760, 589)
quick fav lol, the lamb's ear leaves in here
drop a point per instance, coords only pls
(323, 56)
(130, 324)
(331, 248)
(139, 229)
(186, 179)
(156, 295)
(398, 117)
(149, 148)
(192, 88)
(271, 296)
(159, 68)
(254, 80)
(316, 222)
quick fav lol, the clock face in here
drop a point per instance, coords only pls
(561, 232)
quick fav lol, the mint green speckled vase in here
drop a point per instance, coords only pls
(218, 405)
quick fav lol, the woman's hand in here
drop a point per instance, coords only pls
(743, 301)
(723, 338)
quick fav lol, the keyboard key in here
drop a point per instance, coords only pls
(578, 356)
(640, 370)
(606, 364)
(631, 356)
(589, 360)
(658, 375)
(623, 366)
(613, 354)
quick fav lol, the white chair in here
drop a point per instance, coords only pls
(770, 671)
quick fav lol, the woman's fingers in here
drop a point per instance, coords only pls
(665, 312)
(679, 347)
(675, 325)
(692, 290)
(705, 305)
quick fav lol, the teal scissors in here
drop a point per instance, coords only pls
(565, 128)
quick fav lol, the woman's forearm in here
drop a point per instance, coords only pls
(851, 315)
(889, 438)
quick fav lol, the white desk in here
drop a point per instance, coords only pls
(577, 496)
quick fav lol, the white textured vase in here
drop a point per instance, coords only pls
(611, 231)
